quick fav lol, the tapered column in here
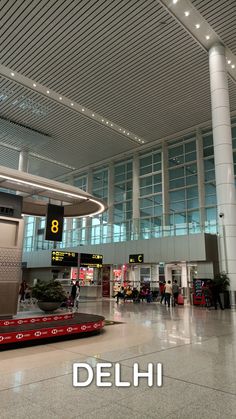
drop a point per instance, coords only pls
(223, 153)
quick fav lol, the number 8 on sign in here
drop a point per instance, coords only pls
(54, 226)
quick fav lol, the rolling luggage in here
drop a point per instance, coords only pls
(180, 300)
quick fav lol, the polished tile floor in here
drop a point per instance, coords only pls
(196, 347)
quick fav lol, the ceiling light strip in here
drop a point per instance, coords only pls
(199, 29)
(42, 90)
(48, 188)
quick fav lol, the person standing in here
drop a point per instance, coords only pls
(77, 296)
(168, 293)
(175, 289)
(73, 292)
(22, 290)
(216, 295)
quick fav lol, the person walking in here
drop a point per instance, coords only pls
(162, 291)
(168, 293)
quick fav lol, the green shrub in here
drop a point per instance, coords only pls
(51, 291)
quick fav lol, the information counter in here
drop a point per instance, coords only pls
(90, 292)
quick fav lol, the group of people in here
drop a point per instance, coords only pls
(211, 292)
(169, 291)
(134, 294)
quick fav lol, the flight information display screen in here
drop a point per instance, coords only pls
(59, 258)
(91, 260)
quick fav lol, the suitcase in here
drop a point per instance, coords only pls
(180, 300)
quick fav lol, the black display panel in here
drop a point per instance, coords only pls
(59, 258)
(136, 258)
(91, 260)
(54, 223)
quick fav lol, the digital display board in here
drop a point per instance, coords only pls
(136, 258)
(91, 260)
(54, 223)
(59, 258)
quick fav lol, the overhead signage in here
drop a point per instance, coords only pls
(59, 258)
(136, 258)
(88, 260)
(54, 223)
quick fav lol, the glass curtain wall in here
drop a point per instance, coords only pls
(150, 188)
(209, 184)
(29, 233)
(183, 187)
(123, 194)
(99, 229)
(77, 234)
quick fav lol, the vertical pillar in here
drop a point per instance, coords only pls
(136, 211)
(223, 153)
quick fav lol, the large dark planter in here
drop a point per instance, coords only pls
(48, 306)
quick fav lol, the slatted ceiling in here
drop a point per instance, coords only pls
(75, 140)
(221, 15)
(40, 167)
(129, 61)
(9, 158)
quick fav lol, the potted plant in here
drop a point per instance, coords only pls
(49, 295)
(223, 282)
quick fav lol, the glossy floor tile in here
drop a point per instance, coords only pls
(196, 347)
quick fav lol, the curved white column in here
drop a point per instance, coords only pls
(224, 169)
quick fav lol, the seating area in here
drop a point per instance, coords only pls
(136, 296)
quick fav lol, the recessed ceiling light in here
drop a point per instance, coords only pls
(233, 66)
(102, 120)
(175, 1)
(124, 132)
(119, 129)
(12, 74)
(139, 139)
(34, 84)
(197, 26)
(142, 142)
(60, 98)
(186, 13)
(207, 37)
(111, 125)
(107, 122)
(127, 133)
(72, 104)
(92, 114)
(135, 138)
(82, 109)
(48, 92)
(229, 61)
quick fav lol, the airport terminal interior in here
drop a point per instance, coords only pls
(117, 208)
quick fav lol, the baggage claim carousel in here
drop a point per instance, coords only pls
(14, 332)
